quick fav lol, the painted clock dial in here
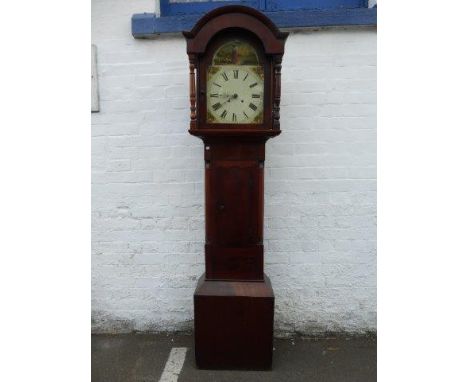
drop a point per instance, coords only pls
(235, 85)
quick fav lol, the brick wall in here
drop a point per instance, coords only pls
(148, 198)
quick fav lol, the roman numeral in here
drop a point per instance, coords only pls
(255, 95)
(253, 85)
(253, 107)
(234, 117)
(225, 76)
(236, 73)
(246, 116)
(245, 77)
(223, 114)
(216, 106)
(215, 95)
(214, 83)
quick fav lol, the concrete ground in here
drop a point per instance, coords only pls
(142, 358)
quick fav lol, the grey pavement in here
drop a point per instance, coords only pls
(142, 358)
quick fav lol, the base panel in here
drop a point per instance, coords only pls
(234, 324)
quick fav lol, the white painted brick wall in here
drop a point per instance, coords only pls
(148, 197)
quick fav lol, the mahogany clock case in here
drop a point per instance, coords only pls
(234, 300)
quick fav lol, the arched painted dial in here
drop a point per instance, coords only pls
(235, 94)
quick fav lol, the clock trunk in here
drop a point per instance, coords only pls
(234, 209)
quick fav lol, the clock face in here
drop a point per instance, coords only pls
(235, 95)
(235, 85)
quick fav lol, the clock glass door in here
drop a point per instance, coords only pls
(235, 85)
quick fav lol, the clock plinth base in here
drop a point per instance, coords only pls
(234, 324)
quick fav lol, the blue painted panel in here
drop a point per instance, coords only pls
(143, 25)
(289, 5)
(172, 9)
(322, 18)
(147, 25)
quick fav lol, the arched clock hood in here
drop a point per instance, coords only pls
(243, 21)
(235, 16)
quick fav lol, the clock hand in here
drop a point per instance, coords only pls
(234, 96)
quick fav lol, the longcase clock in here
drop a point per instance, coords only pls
(235, 58)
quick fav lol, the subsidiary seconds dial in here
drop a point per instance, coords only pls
(235, 94)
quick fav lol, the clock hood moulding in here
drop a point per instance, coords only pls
(235, 16)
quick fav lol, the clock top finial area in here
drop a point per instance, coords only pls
(235, 17)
